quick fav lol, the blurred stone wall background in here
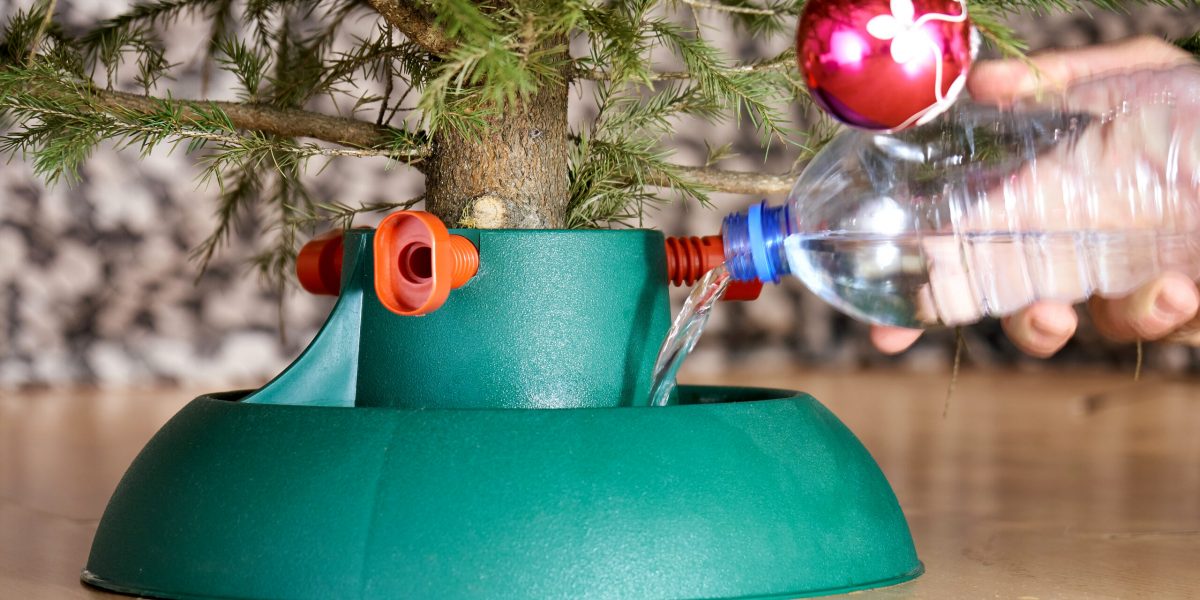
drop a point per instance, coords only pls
(96, 285)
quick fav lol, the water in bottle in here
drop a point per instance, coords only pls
(987, 210)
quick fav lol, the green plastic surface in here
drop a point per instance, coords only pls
(552, 319)
(359, 473)
(736, 499)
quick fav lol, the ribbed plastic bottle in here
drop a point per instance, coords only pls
(986, 210)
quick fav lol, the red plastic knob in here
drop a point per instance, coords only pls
(319, 264)
(743, 291)
(418, 262)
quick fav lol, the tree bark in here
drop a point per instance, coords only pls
(415, 23)
(515, 175)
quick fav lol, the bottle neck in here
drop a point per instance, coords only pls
(754, 243)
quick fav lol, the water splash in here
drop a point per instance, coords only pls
(685, 332)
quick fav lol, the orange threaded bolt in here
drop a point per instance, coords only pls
(689, 258)
(418, 262)
(465, 261)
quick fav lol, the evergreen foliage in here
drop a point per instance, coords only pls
(428, 66)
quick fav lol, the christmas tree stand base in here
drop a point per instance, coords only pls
(347, 478)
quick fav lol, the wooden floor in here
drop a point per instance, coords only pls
(1031, 486)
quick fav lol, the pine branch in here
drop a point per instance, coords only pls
(58, 121)
(989, 16)
(759, 95)
(240, 189)
(990, 24)
(81, 132)
(47, 18)
(613, 164)
(783, 62)
(221, 21)
(734, 8)
(770, 19)
(366, 139)
(734, 182)
(290, 198)
(416, 24)
(344, 214)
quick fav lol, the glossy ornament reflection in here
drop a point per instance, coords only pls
(885, 65)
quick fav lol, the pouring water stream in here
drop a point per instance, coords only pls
(685, 332)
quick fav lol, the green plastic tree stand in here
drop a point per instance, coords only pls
(501, 447)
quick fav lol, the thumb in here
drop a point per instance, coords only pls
(893, 340)
(1000, 81)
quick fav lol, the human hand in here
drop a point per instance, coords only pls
(1165, 307)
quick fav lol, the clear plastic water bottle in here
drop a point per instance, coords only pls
(986, 210)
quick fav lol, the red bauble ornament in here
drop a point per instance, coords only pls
(885, 64)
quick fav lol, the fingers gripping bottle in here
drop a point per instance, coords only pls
(986, 210)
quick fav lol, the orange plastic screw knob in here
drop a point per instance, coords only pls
(689, 258)
(418, 262)
(319, 264)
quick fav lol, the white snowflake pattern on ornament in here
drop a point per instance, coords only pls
(903, 28)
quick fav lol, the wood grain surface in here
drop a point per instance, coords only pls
(1045, 485)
